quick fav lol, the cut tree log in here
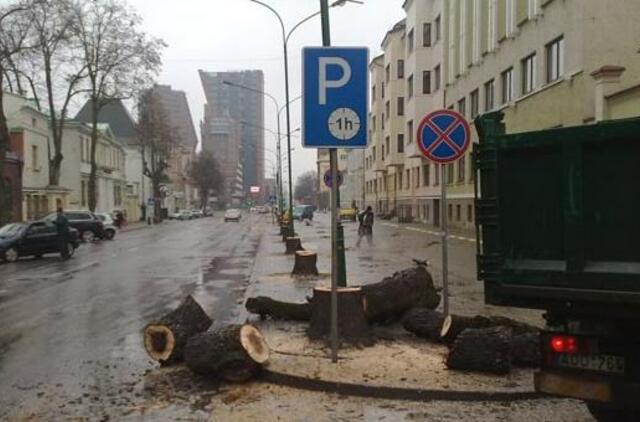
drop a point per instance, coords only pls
(293, 245)
(482, 349)
(352, 324)
(165, 339)
(265, 306)
(424, 322)
(305, 263)
(453, 325)
(234, 353)
(525, 348)
(390, 298)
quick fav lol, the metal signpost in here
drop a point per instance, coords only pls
(443, 137)
(334, 115)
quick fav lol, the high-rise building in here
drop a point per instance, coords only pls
(176, 109)
(240, 105)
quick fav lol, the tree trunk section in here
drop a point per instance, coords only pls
(284, 230)
(453, 325)
(305, 264)
(293, 245)
(482, 349)
(424, 322)
(166, 338)
(525, 349)
(265, 306)
(352, 323)
(390, 298)
(233, 353)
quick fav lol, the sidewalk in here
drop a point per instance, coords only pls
(391, 380)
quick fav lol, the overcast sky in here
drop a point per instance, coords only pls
(220, 35)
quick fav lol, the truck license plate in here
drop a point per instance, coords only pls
(602, 363)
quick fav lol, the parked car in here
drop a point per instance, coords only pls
(208, 212)
(232, 215)
(108, 224)
(88, 225)
(184, 215)
(197, 214)
(173, 215)
(303, 212)
(33, 239)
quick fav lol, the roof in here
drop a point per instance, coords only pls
(116, 115)
(399, 26)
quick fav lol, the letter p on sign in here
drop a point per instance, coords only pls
(324, 84)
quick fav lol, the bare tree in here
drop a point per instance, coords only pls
(157, 141)
(14, 31)
(205, 174)
(120, 59)
(306, 185)
(56, 67)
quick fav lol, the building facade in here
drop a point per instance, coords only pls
(12, 174)
(244, 106)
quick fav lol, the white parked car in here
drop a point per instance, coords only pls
(108, 224)
(197, 214)
(185, 215)
(232, 215)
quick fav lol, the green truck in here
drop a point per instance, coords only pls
(558, 226)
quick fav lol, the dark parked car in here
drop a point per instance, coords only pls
(33, 239)
(88, 225)
(303, 212)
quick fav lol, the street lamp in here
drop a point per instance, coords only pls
(285, 40)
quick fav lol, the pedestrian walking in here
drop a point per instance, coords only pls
(365, 229)
(62, 230)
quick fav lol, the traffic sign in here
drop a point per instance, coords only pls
(335, 97)
(327, 178)
(443, 136)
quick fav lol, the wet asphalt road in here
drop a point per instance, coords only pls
(70, 332)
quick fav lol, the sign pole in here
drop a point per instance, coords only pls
(445, 236)
(333, 162)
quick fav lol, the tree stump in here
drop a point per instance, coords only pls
(525, 349)
(352, 323)
(393, 296)
(284, 229)
(165, 339)
(482, 349)
(233, 353)
(305, 263)
(424, 322)
(293, 245)
(453, 325)
(265, 306)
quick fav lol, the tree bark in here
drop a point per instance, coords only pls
(352, 323)
(453, 325)
(525, 349)
(424, 322)
(305, 264)
(166, 338)
(482, 349)
(393, 296)
(233, 353)
(293, 244)
(93, 198)
(265, 306)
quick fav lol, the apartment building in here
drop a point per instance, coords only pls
(544, 63)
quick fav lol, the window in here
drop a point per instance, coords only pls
(489, 94)
(400, 106)
(410, 86)
(426, 82)
(475, 103)
(373, 123)
(436, 78)
(416, 174)
(436, 174)
(410, 40)
(373, 153)
(407, 179)
(461, 169)
(382, 85)
(383, 150)
(458, 212)
(507, 85)
(426, 35)
(387, 109)
(382, 121)
(462, 106)
(528, 74)
(388, 141)
(426, 175)
(450, 211)
(34, 158)
(469, 213)
(399, 180)
(438, 29)
(532, 9)
(373, 93)
(410, 130)
(555, 59)
(387, 73)
(34, 122)
(400, 69)
(400, 142)
(449, 173)
(83, 193)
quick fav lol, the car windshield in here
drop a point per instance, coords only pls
(11, 230)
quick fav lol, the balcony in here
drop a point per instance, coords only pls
(395, 159)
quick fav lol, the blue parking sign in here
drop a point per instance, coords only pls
(335, 99)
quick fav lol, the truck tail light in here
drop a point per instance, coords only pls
(564, 344)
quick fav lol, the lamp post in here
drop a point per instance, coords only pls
(285, 40)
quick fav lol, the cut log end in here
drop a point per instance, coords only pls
(446, 326)
(254, 343)
(159, 342)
